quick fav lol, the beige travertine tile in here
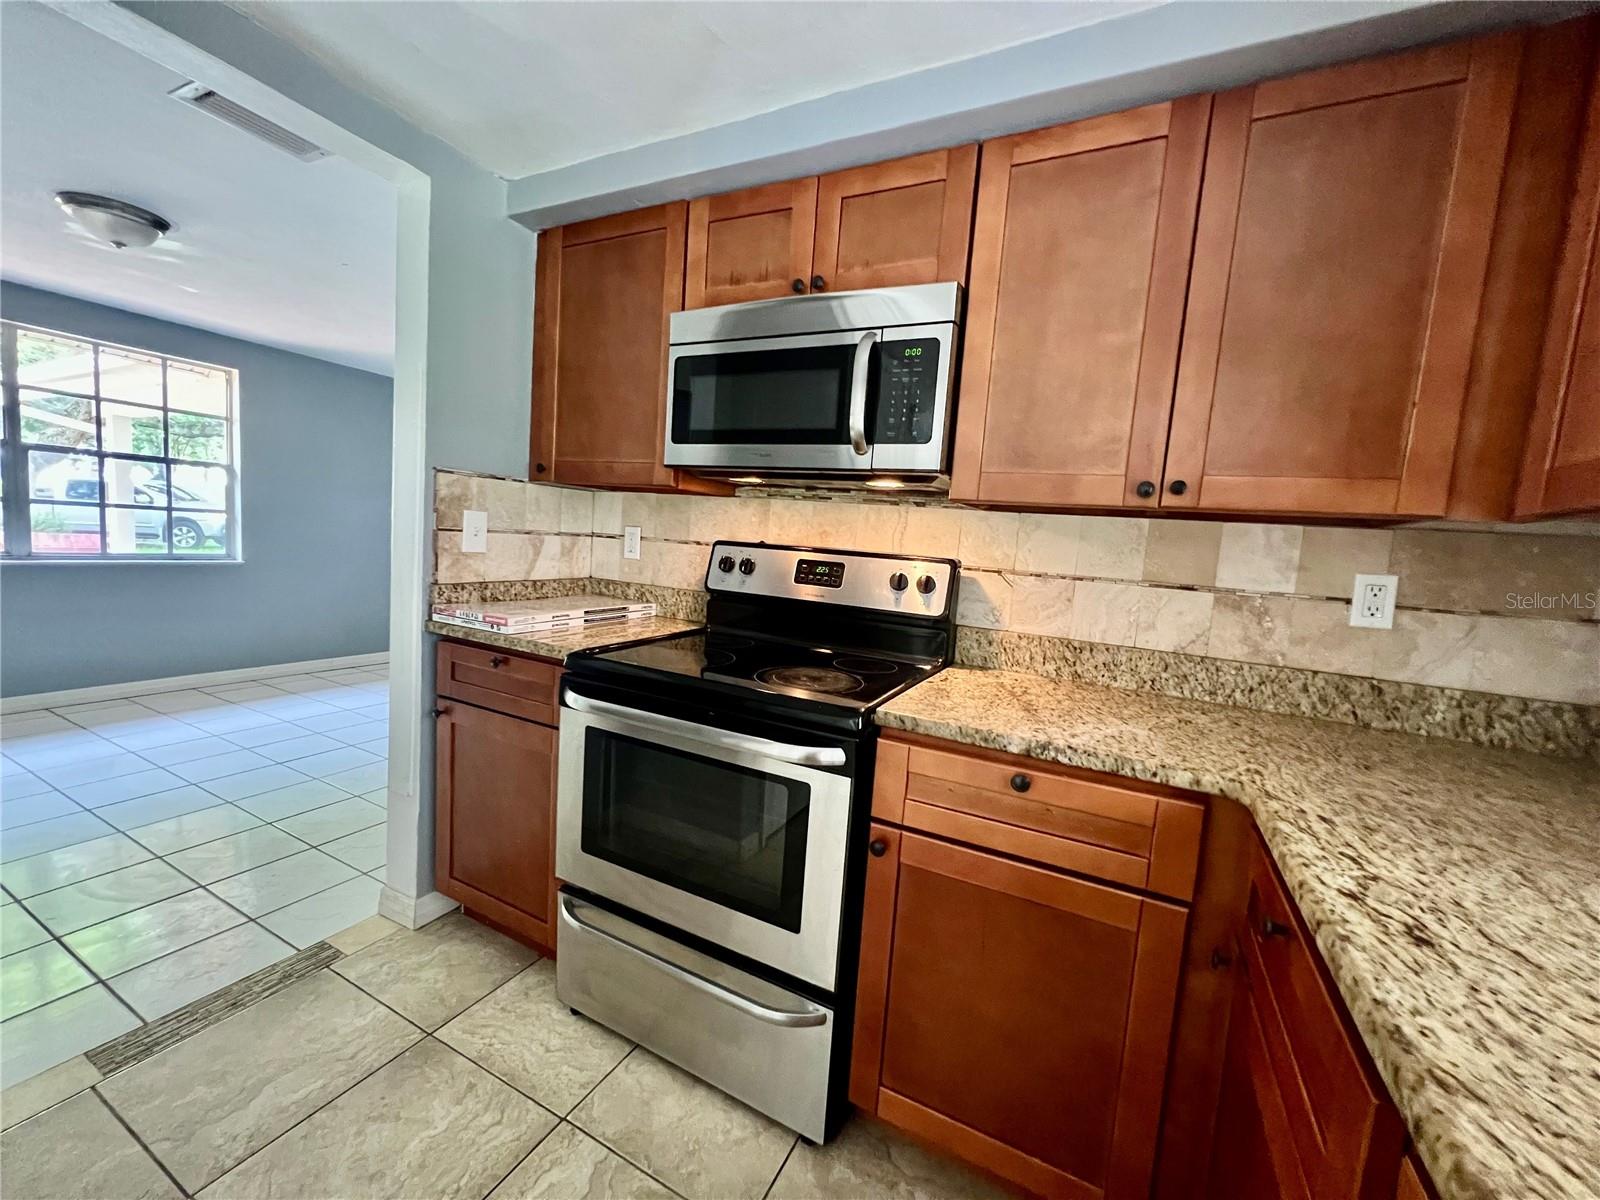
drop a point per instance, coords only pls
(608, 513)
(605, 558)
(1489, 572)
(678, 565)
(822, 523)
(452, 566)
(571, 1165)
(512, 555)
(988, 540)
(527, 1037)
(1547, 660)
(1047, 544)
(639, 508)
(1250, 629)
(1041, 604)
(1259, 558)
(1331, 558)
(1105, 612)
(506, 501)
(79, 1149)
(1321, 639)
(430, 974)
(577, 511)
(930, 531)
(1111, 547)
(1172, 619)
(672, 517)
(32, 1096)
(452, 494)
(211, 1101)
(984, 600)
(730, 518)
(870, 1159)
(1426, 647)
(430, 1124)
(879, 528)
(702, 1143)
(1182, 552)
(362, 934)
(543, 503)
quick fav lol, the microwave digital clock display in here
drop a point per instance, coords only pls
(819, 572)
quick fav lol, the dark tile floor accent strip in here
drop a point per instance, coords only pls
(139, 1044)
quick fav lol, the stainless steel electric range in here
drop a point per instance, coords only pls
(712, 816)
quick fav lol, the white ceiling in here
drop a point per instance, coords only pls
(263, 247)
(526, 87)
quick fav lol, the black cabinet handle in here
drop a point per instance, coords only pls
(877, 846)
(539, 468)
(1020, 782)
(1177, 487)
(1146, 489)
(799, 285)
(1272, 929)
(818, 283)
(441, 710)
(498, 660)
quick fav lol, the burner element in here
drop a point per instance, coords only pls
(810, 679)
(860, 664)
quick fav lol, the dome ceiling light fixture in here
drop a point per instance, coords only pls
(115, 222)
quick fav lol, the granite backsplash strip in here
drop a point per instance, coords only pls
(675, 603)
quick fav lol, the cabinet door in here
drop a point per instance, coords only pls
(1025, 1015)
(1339, 265)
(495, 810)
(1080, 258)
(895, 223)
(751, 245)
(1561, 472)
(604, 292)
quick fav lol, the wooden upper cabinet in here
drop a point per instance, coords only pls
(1339, 264)
(1080, 259)
(1561, 472)
(751, 245)
(604, 291)
(895, 223)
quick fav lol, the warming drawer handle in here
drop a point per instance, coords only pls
(751, 1008)
(804, 756)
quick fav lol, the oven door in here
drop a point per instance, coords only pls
(733, 838)
(795, 403)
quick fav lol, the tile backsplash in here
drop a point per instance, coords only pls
(1512, 613)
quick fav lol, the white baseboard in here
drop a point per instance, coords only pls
(413, 911)
(178, 683)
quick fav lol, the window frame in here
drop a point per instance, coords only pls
(16, 505)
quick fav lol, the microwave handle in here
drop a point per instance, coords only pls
(803, 756)
(858, 391)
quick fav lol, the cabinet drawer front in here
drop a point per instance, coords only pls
(499, 679)
(1054, 815)
(1331, 1101)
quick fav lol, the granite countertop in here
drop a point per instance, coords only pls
(1454, 892)
(559, 645)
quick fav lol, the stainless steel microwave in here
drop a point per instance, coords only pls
(843, 386)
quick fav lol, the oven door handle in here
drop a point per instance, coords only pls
(726, 739)
(858, 391)
(812, 1015)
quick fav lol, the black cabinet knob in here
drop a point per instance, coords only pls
(1272, 929)
(1221, 960)
(1020, 782)
(799, 285)
(725, 563)
(818, 283)
(1177, 487)
(539, 468)
(898, 581)
(498, 660)
(442, 710)
(926, 584)
(747, 566)
(877, 846)
(1146, 489)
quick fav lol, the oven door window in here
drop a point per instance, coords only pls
(798, 395)
(729, 834)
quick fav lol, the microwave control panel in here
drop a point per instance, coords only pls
(908, 383)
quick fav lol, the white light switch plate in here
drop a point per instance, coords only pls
(1372, 601)
(630, 541)
(474, 532)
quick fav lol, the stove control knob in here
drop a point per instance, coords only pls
(747, 566)
(725, 563)
(898, 581)
(926, 585)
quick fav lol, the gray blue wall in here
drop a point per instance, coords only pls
(314, 490)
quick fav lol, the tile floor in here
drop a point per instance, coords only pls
(429, 1063)
(155, 849)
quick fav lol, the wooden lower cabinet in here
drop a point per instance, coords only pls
(494, 802)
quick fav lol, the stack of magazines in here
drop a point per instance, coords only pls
(553, 615)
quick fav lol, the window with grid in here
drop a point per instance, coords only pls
(112, 452)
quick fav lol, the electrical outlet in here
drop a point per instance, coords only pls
(1372, 601)
(630, 541)
(474, 532)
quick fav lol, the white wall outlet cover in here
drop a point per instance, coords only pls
(474, 532)
(1372, 601)
(630, 541)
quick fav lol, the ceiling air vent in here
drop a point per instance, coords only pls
(200, 96)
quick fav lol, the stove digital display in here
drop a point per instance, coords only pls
(819, 572)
